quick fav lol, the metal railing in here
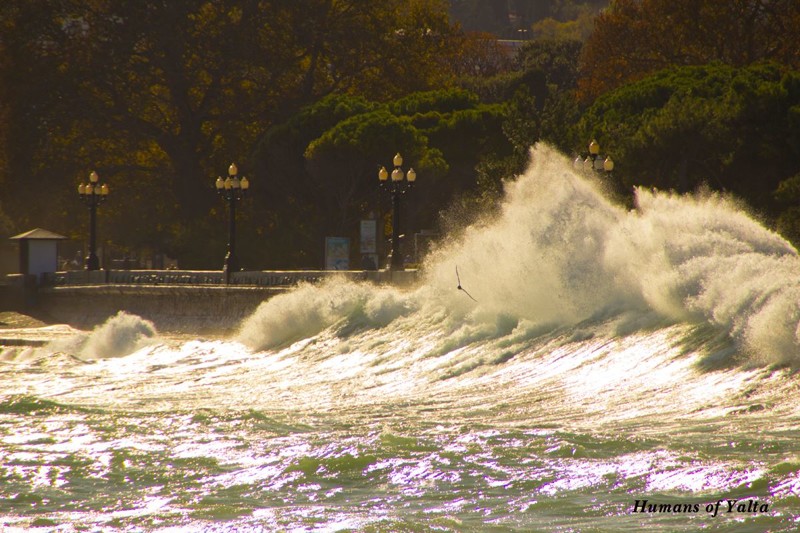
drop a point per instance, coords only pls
(265, 278)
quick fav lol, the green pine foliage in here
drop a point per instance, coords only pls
(732, 129)
(327, 166)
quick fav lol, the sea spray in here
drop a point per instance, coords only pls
(560, 251)
(540, 257)
(308, 309)
(702, 257)
(120, 335)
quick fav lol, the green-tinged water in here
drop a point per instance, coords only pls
(617, 371)
(160, 441)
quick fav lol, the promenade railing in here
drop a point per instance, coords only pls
(261, 278)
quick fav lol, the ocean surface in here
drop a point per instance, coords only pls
(618, 370)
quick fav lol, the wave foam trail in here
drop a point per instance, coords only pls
(560, 251)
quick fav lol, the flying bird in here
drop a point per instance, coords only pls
(462, 288)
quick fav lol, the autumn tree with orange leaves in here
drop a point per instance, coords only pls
(634, 38)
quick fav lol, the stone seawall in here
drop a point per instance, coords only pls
(201, 304)
(200, 309)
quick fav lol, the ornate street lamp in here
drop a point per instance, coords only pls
(608, 165)
(398, 186)
(93, 194)
(593, 161)
(233, 188)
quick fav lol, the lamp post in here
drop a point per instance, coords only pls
(93, 194)
(400, 183)
(593, 161)
(232, 189)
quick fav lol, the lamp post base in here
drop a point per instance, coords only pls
(395, 261)
(92, 262)
(231, 265)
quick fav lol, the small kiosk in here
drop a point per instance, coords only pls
(38, 252)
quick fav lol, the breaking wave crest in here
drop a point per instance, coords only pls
(307, 310)
(561, 252)
(120, 335)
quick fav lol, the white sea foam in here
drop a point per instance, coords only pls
(120, 335)
(560, 252)
(702, 256)
(541, 258)
(309, 309)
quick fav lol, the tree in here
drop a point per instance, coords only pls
(160, 96)
(479, 55)
(324, 161)
(464, 130)
(634, 38)
(576, 25)
(343, 163)
(539, 101)
(379, 49)
(731, 129)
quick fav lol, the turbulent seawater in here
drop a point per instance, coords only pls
(621, 370)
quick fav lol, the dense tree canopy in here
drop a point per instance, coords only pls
(732, 129)
(540, 102)
(634, 38)
(322, 164)
(160, 96)
(311, 96)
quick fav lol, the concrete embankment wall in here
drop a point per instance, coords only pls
(198, 309)
(199, 305)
